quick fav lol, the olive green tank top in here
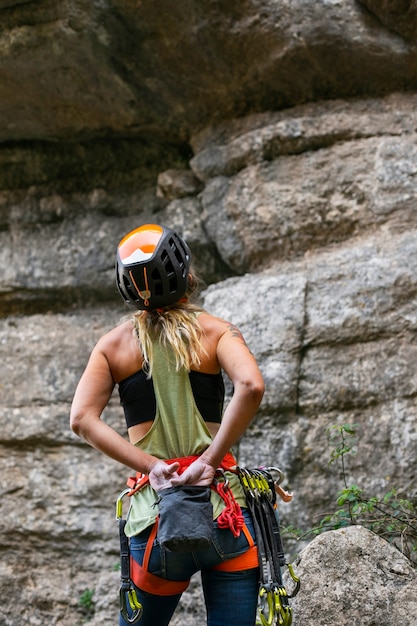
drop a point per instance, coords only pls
(178, 430)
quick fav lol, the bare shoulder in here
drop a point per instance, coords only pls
(218, 327)
(121, 351)
(116, 337)
(232, 352)
(212, 326)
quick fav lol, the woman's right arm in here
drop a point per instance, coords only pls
(91, 397)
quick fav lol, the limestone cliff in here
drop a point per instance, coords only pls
(280, 138)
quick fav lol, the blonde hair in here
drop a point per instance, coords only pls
(175, 326)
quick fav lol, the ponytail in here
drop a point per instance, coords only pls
(175, 326)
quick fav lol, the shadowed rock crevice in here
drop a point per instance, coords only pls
(118, 163)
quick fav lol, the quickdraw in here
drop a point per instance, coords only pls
(127, 592)
(261, 491)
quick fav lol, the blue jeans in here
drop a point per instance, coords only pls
(230, 597)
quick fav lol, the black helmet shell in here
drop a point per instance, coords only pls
(152, 267)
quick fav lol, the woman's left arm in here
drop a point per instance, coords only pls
(91, 397)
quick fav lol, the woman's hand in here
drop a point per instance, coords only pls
(200, 472)
(163, 474)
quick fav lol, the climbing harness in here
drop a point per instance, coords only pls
(261, 494)
(134, 574)
(127, 591)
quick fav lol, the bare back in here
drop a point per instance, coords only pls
(117, 355)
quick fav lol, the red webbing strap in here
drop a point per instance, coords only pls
(149, 582)
(149, 545)
(140, 480)
(228, 462)
(137, 482)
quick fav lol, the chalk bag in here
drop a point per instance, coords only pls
(185, 518)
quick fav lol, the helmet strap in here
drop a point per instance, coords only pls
(146, 294)
(163, 308)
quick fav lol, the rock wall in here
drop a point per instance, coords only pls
(78, 70)
(280, 140)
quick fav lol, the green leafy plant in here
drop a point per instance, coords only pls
(392, 517)
(86, 602)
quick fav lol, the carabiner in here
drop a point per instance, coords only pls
(295, 579)
(222, 473)
(260, 481)
(280, 473)
(247, 482)
(135, 605)
(119, 504)
(127, 591)
(283, 613)
(286, 496)
(269, 602)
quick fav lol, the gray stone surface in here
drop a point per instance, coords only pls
(280, 140)
(340, 567)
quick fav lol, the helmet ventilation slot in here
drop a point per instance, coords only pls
(157, 282)
(132, 295)
(169, 268)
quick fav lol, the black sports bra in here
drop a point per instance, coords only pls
(137, 397)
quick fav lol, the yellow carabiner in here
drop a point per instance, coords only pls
(280, 611)
(261, 483)
(295, 579)
(266, 621)
(119, 504)
(134, 604)
(283, 613)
